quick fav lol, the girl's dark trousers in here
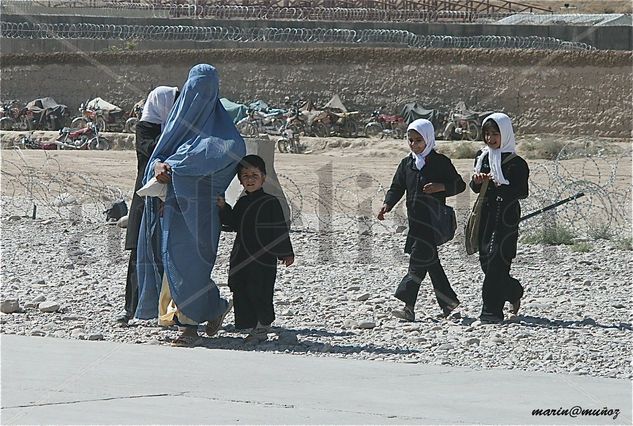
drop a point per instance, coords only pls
(424, 259)
(499, 287)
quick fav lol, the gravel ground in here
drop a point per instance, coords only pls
(336, 300)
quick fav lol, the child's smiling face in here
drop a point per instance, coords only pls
(251, 178)
(416, 142)
(492, 138)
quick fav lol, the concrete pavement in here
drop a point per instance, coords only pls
(61, 381)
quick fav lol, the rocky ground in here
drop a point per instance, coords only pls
(63, 274)
(336, 300)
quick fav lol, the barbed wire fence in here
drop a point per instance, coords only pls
(402, 38)
(48, 191)
(349, 204)
(228, 11)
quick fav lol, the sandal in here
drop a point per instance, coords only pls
(186, 339)
(213, 326)
(515, 307)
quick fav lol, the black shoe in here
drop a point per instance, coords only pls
(446, 310)
(490, 320)
(406, 313)
(123, 318)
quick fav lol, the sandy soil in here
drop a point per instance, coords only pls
(337, 174)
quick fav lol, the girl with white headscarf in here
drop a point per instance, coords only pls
(507, 175)
(427, 177)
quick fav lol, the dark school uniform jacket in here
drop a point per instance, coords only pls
(438, 168)
(146, 138)
(501, 210)
(262, 237)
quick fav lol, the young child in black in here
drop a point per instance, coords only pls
(262, 238)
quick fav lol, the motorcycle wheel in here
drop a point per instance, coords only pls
(473, 132)
(6, 123)
(449, 133)
(373, 130)
(130, 125)
(248, 130)
(78, 123)
(101, 124)
(282, 146)
(100, 143)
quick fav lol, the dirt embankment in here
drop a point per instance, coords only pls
(552, 92)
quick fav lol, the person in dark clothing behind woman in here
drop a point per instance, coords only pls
(428, 177)
(148, 129)
(500, 215)
(262, 238)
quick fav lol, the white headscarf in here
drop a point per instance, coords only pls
(426, 130)
(508, 144)
(158, 104)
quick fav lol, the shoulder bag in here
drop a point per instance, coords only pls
(444, 224)
(471, 231)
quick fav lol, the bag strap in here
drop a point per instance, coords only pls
(481, 195)
(508, 158)
(484, 185)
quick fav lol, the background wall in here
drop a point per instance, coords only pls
(556, 92)
(600, 37)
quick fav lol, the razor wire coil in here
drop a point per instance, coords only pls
(402, 38)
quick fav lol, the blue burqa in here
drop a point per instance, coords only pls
(202, 146)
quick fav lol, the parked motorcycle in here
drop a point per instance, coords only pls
(45, 114)
(134, 116)
(381, 125)
(28, 141)
(306, 123)
(464, 124)
(257, 122)
(341, 124)
(103, 114)
(84, 138)
(12, 116)
(289, 142)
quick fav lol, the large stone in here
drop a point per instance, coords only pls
(363, 297)
(366, 324)
(49, 306)
(64, 199)
(9, 306)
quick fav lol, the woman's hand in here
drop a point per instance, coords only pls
(384, 209)
(162, 172)
(479, 178)
(431, 188)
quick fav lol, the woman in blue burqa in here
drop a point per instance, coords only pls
(196, 158)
